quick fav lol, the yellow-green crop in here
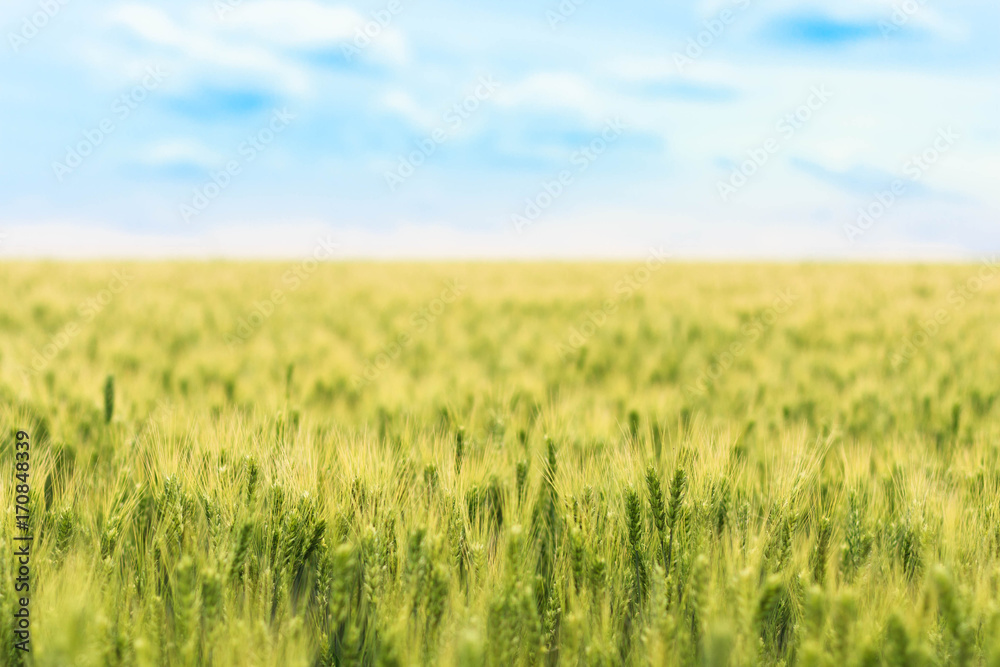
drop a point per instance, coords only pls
(499, 464)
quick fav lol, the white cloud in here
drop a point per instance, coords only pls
(256, 40)
(298, 23)
(305, 24)
(150, 23)
(402, 103)
(556, 90)
(973, 174)
(200, 44)
(644, 69)
(840, 153)
(181, 151)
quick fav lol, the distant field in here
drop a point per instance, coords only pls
(581, 464)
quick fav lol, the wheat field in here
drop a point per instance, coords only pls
(503, 464)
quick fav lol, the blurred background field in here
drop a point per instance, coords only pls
(499, 463)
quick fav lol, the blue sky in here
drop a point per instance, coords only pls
(771, 129)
